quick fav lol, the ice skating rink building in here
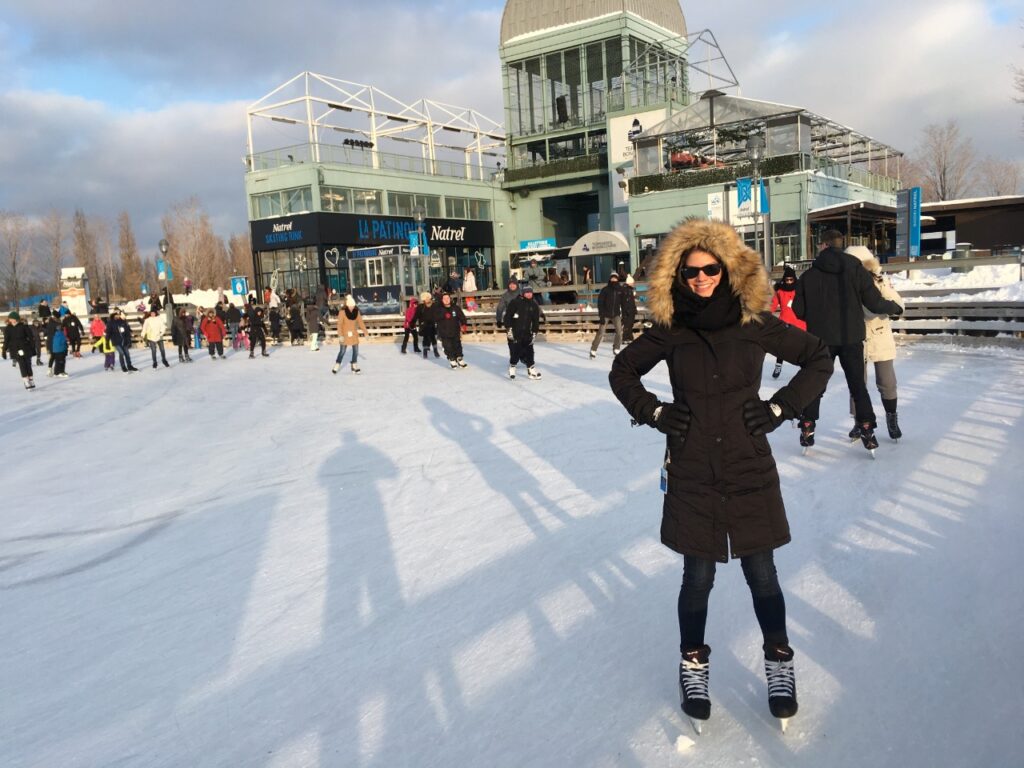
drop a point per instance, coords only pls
(617, 118)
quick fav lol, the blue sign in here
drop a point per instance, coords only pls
(763, 198)
(537, 245)
(908, 223)
(915, 222)
(239, 286)
(384, 229)
(745, 195)
(145, 288)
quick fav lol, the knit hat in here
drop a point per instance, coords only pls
(629, 280)
(350, 302)
(425, 297)
(513, 280)
(13, 316)
(527, 289)
(788, 271)
(860, 251)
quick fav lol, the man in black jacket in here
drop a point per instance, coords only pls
(19, 344)
(609, 309)
(522, 319)
(830, 297)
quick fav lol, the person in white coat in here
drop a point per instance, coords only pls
(153, 330)
(879, 344)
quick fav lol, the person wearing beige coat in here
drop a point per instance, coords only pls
(879, 344)
(350, 322)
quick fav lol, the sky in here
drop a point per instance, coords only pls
(108, 107)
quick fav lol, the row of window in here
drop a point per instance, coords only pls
(366, 201)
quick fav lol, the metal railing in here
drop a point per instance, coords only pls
(332, 154)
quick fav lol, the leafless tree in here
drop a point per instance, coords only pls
(83, 244)
(53, 234)
(946, 161)
(194, 250)
(15, 254)
(240, 254)
(131, 264)
(998, 177)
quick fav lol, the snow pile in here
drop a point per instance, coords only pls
(987, 276)
(207, 299)
(256, 563)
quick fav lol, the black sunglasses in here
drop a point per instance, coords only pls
(690, 273)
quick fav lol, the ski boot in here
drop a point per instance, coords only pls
(355, 368)
(532, 372)
(461, 363)
(893, 424)
(806, 434)
(694, 669)
(854, 434)
(777, 371)
(511, 371)
(867, 436)
(778, 669)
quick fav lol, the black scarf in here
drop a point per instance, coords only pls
(351, 314)
(719, 310)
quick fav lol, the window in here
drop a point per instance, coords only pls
(345, 200)
(404, 203)
(282, 202)
(462, 208)
(367, 201)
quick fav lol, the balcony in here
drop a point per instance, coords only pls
(568, 166)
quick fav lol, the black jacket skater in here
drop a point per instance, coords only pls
(830, 294)
(522, 317)
(449, 320)
(609, 300)
(723, 487)
(19, 338)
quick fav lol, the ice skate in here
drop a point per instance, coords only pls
(854, 434)
(63, 375)
(867, 436)
(532, 372)
(593, 354)
(436, 353)
(31, 383)
(806, 435)
(694, 670)
(461, 363)
(336, 368)
(166, 364)
(27, 382)
(777, 371)
(511, 371)
(453, 364)
(355, 368)
(252, 355)
(893, 425)
(781, 676)
(262, 354)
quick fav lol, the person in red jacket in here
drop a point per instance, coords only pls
(214, 331)
(782, 304)
(410, 327)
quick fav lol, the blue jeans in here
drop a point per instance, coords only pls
(763, 581)
(355, 354)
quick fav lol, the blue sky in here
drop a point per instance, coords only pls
(112, 106)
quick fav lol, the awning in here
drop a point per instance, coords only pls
(599, 243)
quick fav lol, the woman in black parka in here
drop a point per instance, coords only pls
(709, 298)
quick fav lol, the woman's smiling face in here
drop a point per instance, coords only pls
(703, 284)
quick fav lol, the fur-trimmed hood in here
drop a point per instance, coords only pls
(747, 275)
(871, 264)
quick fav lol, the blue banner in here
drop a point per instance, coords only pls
(915, 222)
(239, 286)
(745, 195)
(763, 198)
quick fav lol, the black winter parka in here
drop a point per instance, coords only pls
(830, 296)
(723, 493)
(19, 338)
(522, 318)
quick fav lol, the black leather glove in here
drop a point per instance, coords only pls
(672, 419)
(762, 416)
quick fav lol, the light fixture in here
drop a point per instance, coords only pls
(755, 148)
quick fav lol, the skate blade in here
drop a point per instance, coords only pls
(806, 450)
(872, 452)
(783, 723)
(698, 725)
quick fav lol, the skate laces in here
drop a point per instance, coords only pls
(693, 674)
(781, 678)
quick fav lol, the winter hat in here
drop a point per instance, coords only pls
(787, 272)
(513, 280)
(13, 316)
(424, 297)
(861, 252)
(527, 289)
(615, 277)
(350, 302)
(629, 280)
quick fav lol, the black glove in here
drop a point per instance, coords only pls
(672, 419)
(762, 416)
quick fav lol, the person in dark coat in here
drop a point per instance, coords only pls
(609, 310)
(73, 329)
(120, 335)
(275, 324)
(19, 345)
(830, 298)
(709, 298)
(427, 324)
(295, 327)
(257, 333)
(628, 308)
(181, 334)
(510, 295)
(37, 332)
(50, 329)
(450, 320)
(44, 311)
(522, 319)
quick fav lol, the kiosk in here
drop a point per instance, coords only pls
(74, 289)
(382, 278)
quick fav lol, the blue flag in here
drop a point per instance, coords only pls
(765, 207)
(744, 195)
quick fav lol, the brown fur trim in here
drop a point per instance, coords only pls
(747, 275)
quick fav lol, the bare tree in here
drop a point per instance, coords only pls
(54, 233)
(15, 254)
(83, 244)
(998, 177)
(240, 254)
(131, 264)
(946, 161)
(194, 250)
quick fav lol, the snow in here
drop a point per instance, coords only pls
(256, 563)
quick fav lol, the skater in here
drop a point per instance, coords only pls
(782, 303)
(313, 318)
(522, 319)
(709, 300)
(829, 298)
(879, 345)
(350, 322)
(106, 346)
(295, 327)
(451, 321)
(510, 295)
(275, 325)
(20, 346)
(628, 309)
(187, 285)
(609, 310)
(233, 319)
(58, 353)
(213, 329)
(427, 324)
(40, 340)
(97, 328)
(120, 335)
(73, 329)
(181, 334)
(50, 328)
(410, 327)
(153, 330)
(43, 311)
(257, 333)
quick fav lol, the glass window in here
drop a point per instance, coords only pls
(367, 201)
(400, 204)
(456, 207)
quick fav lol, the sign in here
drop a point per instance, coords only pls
(744, 195)
(74, 289)
(414, 243)
(240, 286)
(383, 250)
(908, 223)
(537, 245)
(144, 288)
(332, 257)
(716, 206)
(621, 133)
(597, 243)
(381, 300)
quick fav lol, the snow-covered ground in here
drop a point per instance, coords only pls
(1003, 281)
(256, 563)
